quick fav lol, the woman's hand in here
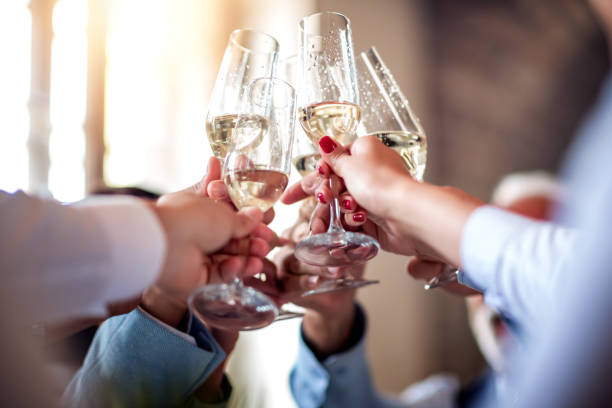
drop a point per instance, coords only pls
(407, 217)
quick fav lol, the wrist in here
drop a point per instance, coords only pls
(328, 333)
(434, 217)
(162, 306)
(398, 195)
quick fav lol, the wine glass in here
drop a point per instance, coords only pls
(305, 158)
(250, 54)
(256, 172)
(388, 116)
(329, 106)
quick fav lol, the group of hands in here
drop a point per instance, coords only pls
(210, 242)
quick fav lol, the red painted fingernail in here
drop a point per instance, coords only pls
(327, 144)
(321, 171)
(346, 204)
(359, 217)
(321, 198)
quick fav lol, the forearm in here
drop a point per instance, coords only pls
(434, 216)
(81, 256)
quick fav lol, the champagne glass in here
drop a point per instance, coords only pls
(256, 172)
(329, 106)
(388, 116)
(250, 54)
(305, 159)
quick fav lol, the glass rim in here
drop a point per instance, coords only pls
(234, 41)
(321, 13)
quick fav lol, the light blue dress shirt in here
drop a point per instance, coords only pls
(135, 361)
(556, 280)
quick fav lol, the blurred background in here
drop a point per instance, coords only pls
(98, 93)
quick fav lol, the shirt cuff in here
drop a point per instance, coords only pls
(135, 239)
(485, 235)
(166, 326)
(311, 378)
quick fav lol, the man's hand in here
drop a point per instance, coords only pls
(207, 242)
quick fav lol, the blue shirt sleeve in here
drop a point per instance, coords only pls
(515, 261)
(341, 380)
(134, 361)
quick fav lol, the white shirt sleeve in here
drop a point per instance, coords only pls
(515, 261)
(64, 261)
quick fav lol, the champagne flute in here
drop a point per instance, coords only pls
(256, 174)
(388, 116)
(305, 159)
(250, 54)
(329, 107)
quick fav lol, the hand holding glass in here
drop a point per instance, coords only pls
(256, 172)
(329, 107)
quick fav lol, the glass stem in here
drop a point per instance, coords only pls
(335, 223)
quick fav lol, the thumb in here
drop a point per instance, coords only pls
(245, 221)
(213, 172)
(334, 154)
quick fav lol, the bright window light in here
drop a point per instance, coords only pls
(15, 40)
(68, 100)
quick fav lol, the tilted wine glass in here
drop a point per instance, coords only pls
(387, 115)
(256, 172)
(329, 106)
(250, 54)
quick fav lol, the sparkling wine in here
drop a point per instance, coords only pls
(256, 187)
(306, 163)
(335, 119)
(411, 146)
(221, 132)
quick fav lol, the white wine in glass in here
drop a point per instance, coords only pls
(220, 131)
(411, 146)
(249, 55)
(387, 113)
(338, 120)
(259, 188)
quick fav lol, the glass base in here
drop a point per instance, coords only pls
(336, 285)
(448, 275)
(337, 249)
(233, 307)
